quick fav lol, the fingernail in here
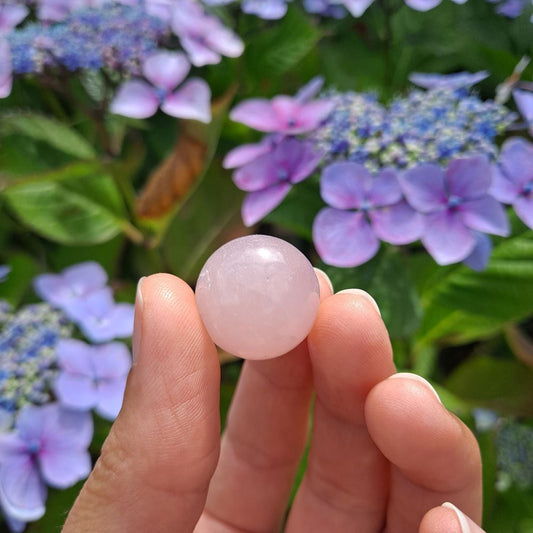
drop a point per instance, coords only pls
(420, 379)
(467, 525)
(364, 294)
(326, 277)
(137, 323)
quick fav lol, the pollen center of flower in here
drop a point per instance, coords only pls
(528, 188)
(454, 202)
(34, 447)
(283, 174)
(291, 123)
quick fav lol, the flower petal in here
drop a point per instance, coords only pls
(111, 360)
(191, 101)
(446, 237)
(22, 493)
(256, 113)
(74, 356)
(166, 69)
(310, 89)
(524, 209)
(270, 10)
(423, 187)
(422, 5)
(65, 467)
(296, 117)
(480, 255)
(296, 159)
(356, 7)
(469, 177)
(385, 189)
(246, 153)
(486, 215)
(258, 204)
(344, 185)
(85, 276)
(397, 224)
(503, 189)
(6, 78)
(135, 99)
(343, 238)
(65, 429)
(262, 172)
(94, 306)
(75, 391)
(11, 16)
(516, 160)
(524, 102)
(110, 397)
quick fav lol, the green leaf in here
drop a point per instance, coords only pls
(500, 384)
(278, 49)
(466, 305)
(386, 279)
(17, 283)
(50, 131)
(82, 211)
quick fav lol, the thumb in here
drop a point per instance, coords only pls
(448, 519)
(162, 450)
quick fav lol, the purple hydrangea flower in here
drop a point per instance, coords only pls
(270, 177)
(165, 70)
(92, 376)
(459, 80)
(363, 209)
(48, 447)
(524, 102)
(511, 8)
(513, 178)
(283, 114)
(73, 284)
(455, 202)
(266, 9)
(203, 36)
(11, 15)
(480, 254)
(426, 5)
(100, 318)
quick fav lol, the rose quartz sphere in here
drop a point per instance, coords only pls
(258, 297)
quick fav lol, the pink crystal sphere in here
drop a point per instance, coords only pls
(258, 297)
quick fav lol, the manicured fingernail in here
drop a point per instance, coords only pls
(326, 277)
(137, 324)
(467, 525)
(420, 379)
(364, 294)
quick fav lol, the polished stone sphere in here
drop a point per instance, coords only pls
(258, 297)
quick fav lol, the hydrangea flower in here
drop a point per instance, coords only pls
(270, 177)
(433, 126)
(81, 292)
(283, 114)
(514, 445)
(166, 71)
(362, 211)
(28, 339)
(92, 376)
(510, 8)
(74, 283)
(6, 77)
(48, 447)
(100, 318)
(459, 80)
(203, 36)
(455, 201)
(513, 178)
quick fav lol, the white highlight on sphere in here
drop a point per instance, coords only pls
(258, 297)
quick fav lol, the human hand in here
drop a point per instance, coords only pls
(385, 454)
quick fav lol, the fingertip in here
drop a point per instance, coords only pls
(447, 518)
(326, 287)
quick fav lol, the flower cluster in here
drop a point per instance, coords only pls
(49, 383)
(28, 366)
(425, 167)
(131, 38)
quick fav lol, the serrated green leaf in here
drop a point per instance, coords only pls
(82, 211)
(48, 130)
(500, 384)
(386, 279)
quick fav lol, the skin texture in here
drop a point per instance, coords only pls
(385, 453)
